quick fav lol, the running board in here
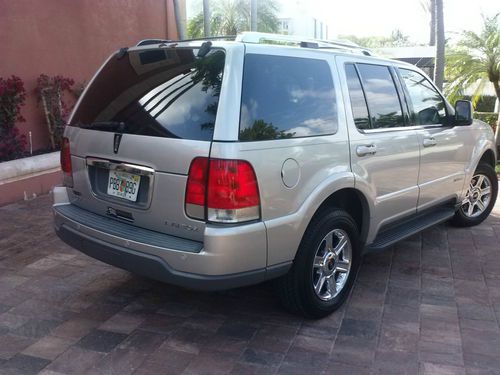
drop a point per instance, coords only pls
(407, 228)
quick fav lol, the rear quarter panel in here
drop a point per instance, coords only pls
(323, 166)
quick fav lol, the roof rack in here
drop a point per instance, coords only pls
(145, 42)
(292, 40)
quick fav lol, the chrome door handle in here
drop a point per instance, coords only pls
(366, 150)
(429, 142)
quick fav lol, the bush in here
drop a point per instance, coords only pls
(485, 103)
(488, 117)
(12, 98)
(51, 94)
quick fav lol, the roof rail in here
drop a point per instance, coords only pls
(146, 42)
(221, 37)
(292, 40)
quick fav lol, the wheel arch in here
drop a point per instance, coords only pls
(488, 157)
(354, 203)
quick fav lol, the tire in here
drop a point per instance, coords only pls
(314, 262)
(478, 204)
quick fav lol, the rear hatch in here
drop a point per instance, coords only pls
(145, 116)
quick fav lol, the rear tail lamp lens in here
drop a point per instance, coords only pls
(227, 189)
(196, 188)
(66, 163)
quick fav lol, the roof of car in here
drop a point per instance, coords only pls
(276, 41)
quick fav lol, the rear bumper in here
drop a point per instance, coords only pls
(228, 258)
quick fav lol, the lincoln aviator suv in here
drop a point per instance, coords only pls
(220, 163)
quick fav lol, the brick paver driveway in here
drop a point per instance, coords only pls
(430, 305)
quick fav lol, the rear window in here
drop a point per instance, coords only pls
(158, 92)
(286, 97)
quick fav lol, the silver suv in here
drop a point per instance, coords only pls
(217, 164)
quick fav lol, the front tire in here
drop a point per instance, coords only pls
(325, 267)
(479, 198)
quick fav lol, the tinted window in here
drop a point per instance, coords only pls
(381, 95)
(428, 106)
(285, 97)
(358, 101)
(162, 93)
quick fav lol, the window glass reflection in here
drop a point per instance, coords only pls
(358, 102)
(285, 97)
(382, 97)
(428, 106)
(170, 94)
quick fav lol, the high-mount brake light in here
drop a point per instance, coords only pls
(226, 189)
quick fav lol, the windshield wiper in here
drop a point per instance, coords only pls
(116, 126)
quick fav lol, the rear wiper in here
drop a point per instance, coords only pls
(116, 126)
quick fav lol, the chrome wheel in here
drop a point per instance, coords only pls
(478, 196)
(332, 264)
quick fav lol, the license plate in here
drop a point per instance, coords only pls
(123, 185)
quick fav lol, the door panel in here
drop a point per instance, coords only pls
(391, 172)
(384, 154)
(442, 165)
(442, 152)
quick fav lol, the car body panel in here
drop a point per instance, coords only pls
(295, 176)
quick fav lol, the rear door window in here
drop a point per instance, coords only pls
(159, 92)
(286, 97)
(381, 95)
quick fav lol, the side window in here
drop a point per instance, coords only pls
(428, 105)
(286, 97)
(358, 100)
(381, 95)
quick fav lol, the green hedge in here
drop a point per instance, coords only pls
(485, 103)
(488, 117)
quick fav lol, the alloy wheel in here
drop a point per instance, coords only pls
(332, 264)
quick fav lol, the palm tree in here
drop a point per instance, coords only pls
(440, 41)
(476, 60)
(253, 15)
(206, 18)
(229, 17)
(432, 25)
(178, 20)
(429, 6)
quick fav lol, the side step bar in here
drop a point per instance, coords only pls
(409, 227)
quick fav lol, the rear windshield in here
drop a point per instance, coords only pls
(157, 92)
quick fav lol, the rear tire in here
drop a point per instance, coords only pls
(480, 197)
(324, 268)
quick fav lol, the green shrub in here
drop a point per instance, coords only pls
(488, 117)
(485, 103)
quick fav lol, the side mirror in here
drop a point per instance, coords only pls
(463, 112)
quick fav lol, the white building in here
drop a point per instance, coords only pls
(296, 18)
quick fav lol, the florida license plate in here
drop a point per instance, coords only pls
(123, 185)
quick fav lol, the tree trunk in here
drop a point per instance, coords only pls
(178, 20)
(432, 23)
(253, 15)
(439, 69)
(206, 18)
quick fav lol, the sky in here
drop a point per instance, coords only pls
(380, 17)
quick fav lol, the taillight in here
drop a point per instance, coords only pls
(227, 188)
(196, 188)
(66, 163)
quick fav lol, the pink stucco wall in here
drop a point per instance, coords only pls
(71, 38)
